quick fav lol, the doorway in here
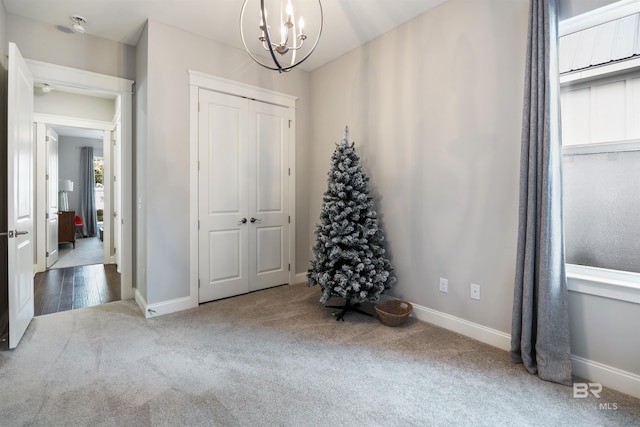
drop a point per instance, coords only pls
(117, 136)
(79, 199)
(79, 196)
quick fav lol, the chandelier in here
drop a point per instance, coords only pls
(290, 44)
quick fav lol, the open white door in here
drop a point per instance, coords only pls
(51, 144)
(20, 164)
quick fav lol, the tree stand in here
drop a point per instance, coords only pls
(348, 307)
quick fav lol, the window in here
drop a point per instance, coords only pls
(600, 100)
(98, 167)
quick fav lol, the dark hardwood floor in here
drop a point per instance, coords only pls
(75, 287)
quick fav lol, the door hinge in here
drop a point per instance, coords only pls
(47, 138)
(290, 123)
(289, 267)
(289, 219)
(115, 250)
(46, 177)
(198, 283)
(114, 178)
(289, 171)
(46, 216)
(198, 107)
(47, 254)
(198, 224)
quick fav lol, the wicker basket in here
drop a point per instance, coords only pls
(393, 312)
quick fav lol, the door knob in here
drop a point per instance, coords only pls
(242, 221)
(255, 220)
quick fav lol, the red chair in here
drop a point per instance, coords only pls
(79, 225)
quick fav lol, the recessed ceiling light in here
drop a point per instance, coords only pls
(78, 24)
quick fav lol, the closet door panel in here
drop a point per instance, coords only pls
(268, 196)
(223, 196)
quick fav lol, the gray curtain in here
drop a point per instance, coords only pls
(87, 185)
(540, 324)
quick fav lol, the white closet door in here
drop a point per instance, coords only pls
(243, 195)
(268, 192)
(223, 198)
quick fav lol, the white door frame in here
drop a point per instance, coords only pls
(197, 81)
(43, 135)
(122, 88)
(42, 120)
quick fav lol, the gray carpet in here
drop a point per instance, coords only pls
(274, 357)
(88, 251)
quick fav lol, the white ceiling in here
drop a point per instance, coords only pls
(347, 23)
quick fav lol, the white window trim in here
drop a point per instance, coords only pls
(602, 147)
(599, 16)
(613, 284)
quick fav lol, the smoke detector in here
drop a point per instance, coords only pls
(78, 24)
(46, 88)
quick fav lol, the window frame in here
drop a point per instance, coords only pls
(613, 284)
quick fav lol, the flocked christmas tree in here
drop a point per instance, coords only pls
(349, 254)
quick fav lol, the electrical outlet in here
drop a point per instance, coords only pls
(444, 285)
(475, 291)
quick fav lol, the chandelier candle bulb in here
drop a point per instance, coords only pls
(289, 13)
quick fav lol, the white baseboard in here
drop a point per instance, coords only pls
(141, 302)
(470, 329)
(165, 307)
(608, 376)
(301, 277)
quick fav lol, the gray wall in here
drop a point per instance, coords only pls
(164, 155)
(69, 163)
(140, 147)
(605, 330)
(45, 42)
(74, 105)
(435, 108)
